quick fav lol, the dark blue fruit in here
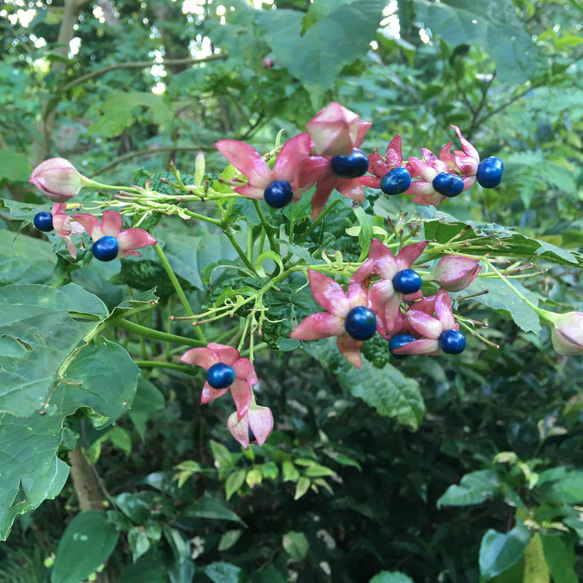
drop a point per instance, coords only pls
(397, 341)
(105, 249)
(361, 323)
(278, 194)
(43, 222)
(489, 173)
(407, 281)
(220, 376)
(396, 181)
(452, 342)
(449, 185)
(351, 166)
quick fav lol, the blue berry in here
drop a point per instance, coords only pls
(397, 341)
(396, 181)
(105, 249)
(43, 222)
(407, 281)
(449, 185)
(489, 173)
(360, 323)
(351, 166)
(278, 194)
(452, 342)
(220, 376)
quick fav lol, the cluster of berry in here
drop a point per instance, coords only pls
(426, 326)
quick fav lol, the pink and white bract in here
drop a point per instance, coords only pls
(65, 227)
(111, 225)
(58, 179)
(332, 298)
(259, 176)
(567, 334)
(454, 273)
(258, 419)
(429, 328)
(245, 376)
(379, 166)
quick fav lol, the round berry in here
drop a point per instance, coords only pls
(105, 249)
(351, 166)
(452, 342)
(449, 185)
(489, 173)
(278, 194)
(396, 181)
(361, 323)
(43, 222)
(407, 281)
(220, 376)
(397, 341)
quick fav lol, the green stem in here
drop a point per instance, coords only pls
(239, 251)
(157, 335)
(202, 217)
(320, 218)
(266, 226)
(257, 348)
(158, 364)
(177, 287)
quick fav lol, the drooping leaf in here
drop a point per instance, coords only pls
(560, 558)
(498, 552)
(224, 573)
(388, 577)
(213, 510)
(296, 545)
(474, 488)
(87, 542)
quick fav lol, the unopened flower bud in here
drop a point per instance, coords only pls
(567, 334)
(58, 179)
(199, 168)
(268, 63)
(454, 273)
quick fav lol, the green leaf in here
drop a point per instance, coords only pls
(296, 545)
(560, 559)
(136, 506)
(498, 552)
(365, 233)
(290, 472)
(569, 489)
(102, 378)
(148, 399)
(390, 577)
(302, 487)
(387, 390)
(87, 542)
(474, 488)
(535, 566)
(229, 539)
(493, 26)
(336, 40)
(213, 510)
(139, 543)
(221, 454)
(121, 438)
(24, 259)
(224, 573)
(235, 480)
(14, 167)
(146, 570)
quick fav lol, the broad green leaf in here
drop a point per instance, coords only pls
(535, 566)
(224, 573)
(388, 577)
(213, 510)
(148, 399)
(560, 558)
(290, 472)
(136, 506)
(146, 570)
(474, 488)
(14, 166)
(387, 390)
(568, 489)
(296, 545)
(302, 487)
(229, 539)
(235, 480)
(492, 25)
(182, 569)
(24, 259)
(102, 378)
(498, 552)
(310, 58)
(87, 542)
(139, 543)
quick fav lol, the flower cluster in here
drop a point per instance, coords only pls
(427, 326)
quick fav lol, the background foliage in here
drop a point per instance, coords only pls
(460, 470)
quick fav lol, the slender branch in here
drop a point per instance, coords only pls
(239, 251)
(140, 65)
(159, 364)
(156, 334)
(266, 226)
(126, 157)
(320, 218)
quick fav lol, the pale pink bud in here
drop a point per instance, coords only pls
(334, 130)
(58, 179)
(567, 334)
(259, 419)
(268, 62)
(455, 273)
